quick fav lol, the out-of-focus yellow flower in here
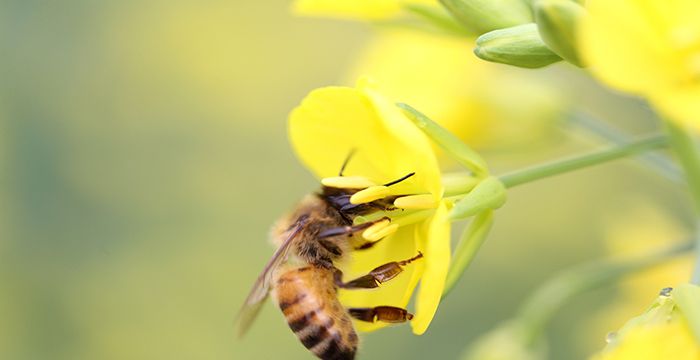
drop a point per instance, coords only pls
(638, 232)
(354, 9)
(485, 105)
(662, 332)
(323, 130)
(650, 48)
(665, 341)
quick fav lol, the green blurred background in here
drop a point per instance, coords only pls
(143, 157)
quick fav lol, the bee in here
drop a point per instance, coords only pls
(303, 279)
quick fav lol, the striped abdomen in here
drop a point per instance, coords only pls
(307, 297)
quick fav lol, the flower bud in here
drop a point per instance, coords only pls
(557, 22)
(518, 46)
(488, 195)
(482, 16)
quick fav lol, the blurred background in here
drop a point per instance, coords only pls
(143, 158)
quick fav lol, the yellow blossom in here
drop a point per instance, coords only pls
(649, 48)
(354, 9)
(329, 124)
(486, 105)
(640, 230)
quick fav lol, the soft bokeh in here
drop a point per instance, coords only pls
(653, 51)
(486, 105)
(144, 156)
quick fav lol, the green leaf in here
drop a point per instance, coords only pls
(687, 297)
(469, 244)
(460, 151)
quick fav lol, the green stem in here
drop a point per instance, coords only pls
(582, 161)
(687, 152)
(663, 165)
(541, 306)
(688, 156)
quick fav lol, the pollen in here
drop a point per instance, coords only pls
(347, 182)
(369, 194)
(417, 202)
(380, 230)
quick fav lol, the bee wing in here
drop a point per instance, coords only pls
(258, 294)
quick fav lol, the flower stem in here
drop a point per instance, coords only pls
(663, 165)
(582, 161)
(541, 306)
(689, 157)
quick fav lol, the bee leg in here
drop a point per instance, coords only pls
(347, 230)
(389, 314)
(377, 276)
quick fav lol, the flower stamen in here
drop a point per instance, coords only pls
(421, 201)
(369, 194)
(347, 182)
(380, 230)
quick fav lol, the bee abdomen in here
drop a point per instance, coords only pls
(321, 338)
(307, 298)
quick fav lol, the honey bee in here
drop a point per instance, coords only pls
(303, 280)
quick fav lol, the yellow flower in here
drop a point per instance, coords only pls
(641, 230)
(663, 332)
(650, 48)
(486, 105)
(354, 9)
(333, 121)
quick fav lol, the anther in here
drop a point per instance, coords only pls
(369, 194)
(347, 182)
(382, 230)
(422, 201)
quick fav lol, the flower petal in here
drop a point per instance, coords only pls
(436, 253)
(681, 105)
(397, 291)
(353, 9)
(332, 122)
(625, 44)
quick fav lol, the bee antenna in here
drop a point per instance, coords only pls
(400, 179)
(346, 161)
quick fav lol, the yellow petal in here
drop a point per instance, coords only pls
(437, 261)
(681, 105)
(624, 42)
(353, 9)
(332, 122)
(397, 292)
(663, 341)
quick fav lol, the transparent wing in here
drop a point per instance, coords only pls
(258, 294)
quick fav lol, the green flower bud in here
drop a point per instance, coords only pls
(488, 195)
(482, 16)
(518, 46)
(557, 21)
